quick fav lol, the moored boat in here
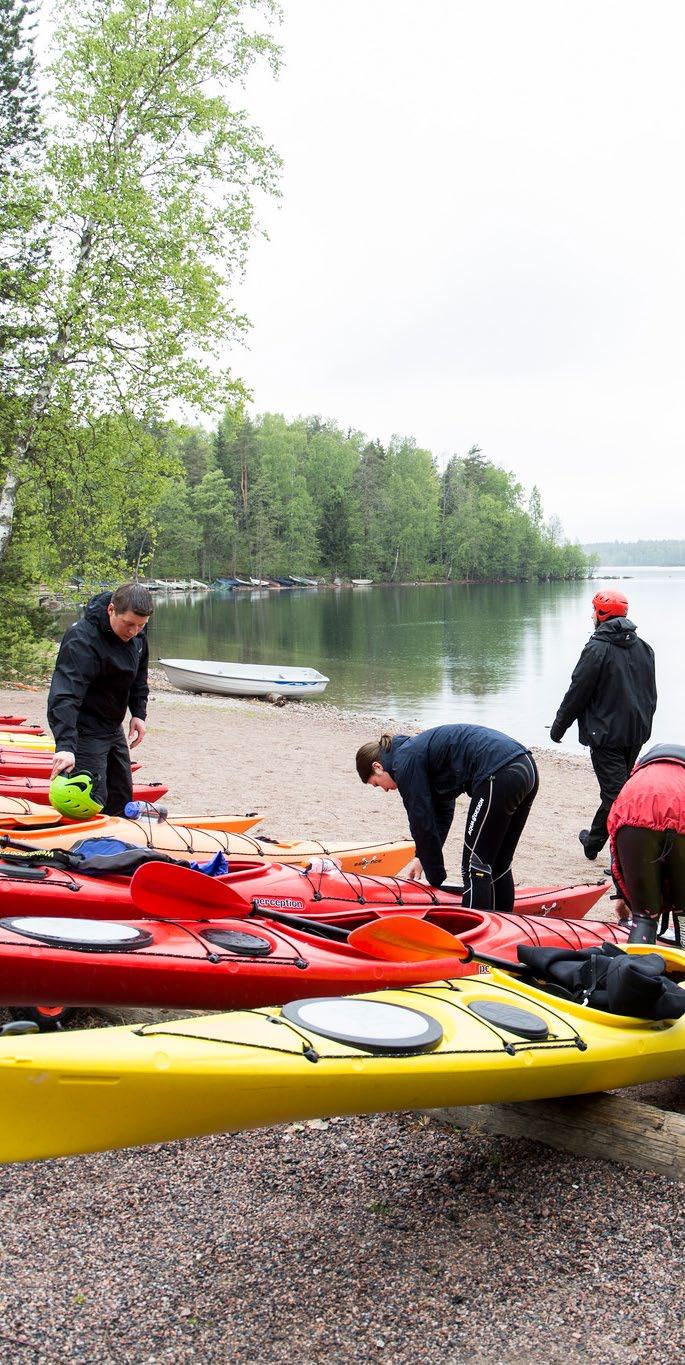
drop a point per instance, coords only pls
(243, 680)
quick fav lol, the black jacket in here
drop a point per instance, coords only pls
(432, 769)
(97, 676)
(613, 690)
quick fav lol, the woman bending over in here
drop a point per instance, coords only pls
(430, 771)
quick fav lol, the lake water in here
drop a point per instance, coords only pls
(494, 654)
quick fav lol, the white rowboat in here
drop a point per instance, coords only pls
(243, 680)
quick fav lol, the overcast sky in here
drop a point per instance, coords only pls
(481, 240)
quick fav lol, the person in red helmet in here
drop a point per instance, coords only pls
(613, 697)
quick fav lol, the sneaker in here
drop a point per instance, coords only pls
(584, 837)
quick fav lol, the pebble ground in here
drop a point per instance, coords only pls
(389, 1238)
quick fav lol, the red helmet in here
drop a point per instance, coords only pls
(607, 604)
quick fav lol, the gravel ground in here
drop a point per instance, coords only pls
(382, 1238)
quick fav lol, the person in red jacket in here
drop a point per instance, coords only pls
(647, 832)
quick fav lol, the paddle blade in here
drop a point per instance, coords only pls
(171, 892)
(401, 938)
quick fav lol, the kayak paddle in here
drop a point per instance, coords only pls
(166, 891)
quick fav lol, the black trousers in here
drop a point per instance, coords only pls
(612, 770)
(652, 866)
(497, 814)
(107, 758)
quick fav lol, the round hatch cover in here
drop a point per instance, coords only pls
(511, 1019)
(237, 941)
(368, 1024)
(86, 935)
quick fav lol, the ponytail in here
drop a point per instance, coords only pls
(371, 753)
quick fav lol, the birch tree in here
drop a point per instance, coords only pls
(152, 172)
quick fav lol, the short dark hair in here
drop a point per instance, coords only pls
(133, 597)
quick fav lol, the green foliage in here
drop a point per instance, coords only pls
(308, 498)
(212, 502)
(148, 187)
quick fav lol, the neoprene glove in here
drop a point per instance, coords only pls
(555, 734)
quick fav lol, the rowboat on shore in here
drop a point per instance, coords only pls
(243, 680)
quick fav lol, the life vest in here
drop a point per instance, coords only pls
(652, 798)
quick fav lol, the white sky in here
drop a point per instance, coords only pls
(482, 240)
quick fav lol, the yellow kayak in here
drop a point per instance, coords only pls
(480, 1039)
(36, 743)
(183, 840)
(16, 812)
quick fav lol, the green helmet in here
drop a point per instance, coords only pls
(73, 796)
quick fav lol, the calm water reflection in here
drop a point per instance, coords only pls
(499, 655)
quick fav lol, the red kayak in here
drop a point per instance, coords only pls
(16, 762)
(15, 728)
(11, 720)
(38, 789)
(320, 893)
(236, 963)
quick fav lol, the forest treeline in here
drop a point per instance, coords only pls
(270, 497)
(617, 552)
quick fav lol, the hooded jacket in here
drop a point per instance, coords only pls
(97, 676)
(613, 690)
(432, 769)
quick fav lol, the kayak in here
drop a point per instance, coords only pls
(11, 720)
(10, 726)
(230, 963)
(323, 893)
(189, 842)
(14, 763)
(477, 1040)
(29, 743)
(17, 813)
(38, 789)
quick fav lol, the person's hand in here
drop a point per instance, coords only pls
(554, 735)
(623, 911)
(62, 762)
(412, 871)
(136, 731)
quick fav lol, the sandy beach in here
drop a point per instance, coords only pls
(348, 1240)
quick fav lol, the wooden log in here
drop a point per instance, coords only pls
(609, 1127)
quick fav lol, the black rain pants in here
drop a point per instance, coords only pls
(107, 758)
(497, 814)
(652, 867)
(612, 770)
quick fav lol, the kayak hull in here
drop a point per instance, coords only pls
(52, 830)
(37, 789)
(15, 764)
(190, 843)
(93, 1090)
(187, 964)
(330, 895)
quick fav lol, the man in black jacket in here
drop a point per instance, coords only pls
(101, 670)
(613, 698)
